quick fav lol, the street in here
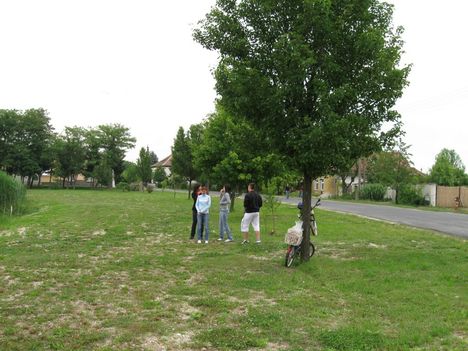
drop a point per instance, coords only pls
(455, 224)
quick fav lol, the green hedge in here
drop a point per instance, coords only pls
(375, 192)
(12, 195)
(411, 195)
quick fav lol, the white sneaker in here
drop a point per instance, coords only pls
(258, 242)
(228, 240)
(199, 242)
(220, 239)
(206, 241)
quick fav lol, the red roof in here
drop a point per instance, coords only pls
(167, 162)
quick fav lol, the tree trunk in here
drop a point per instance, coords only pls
(307, 205)
(233, 198)
(358, 189)
(344, 188)
(189, 188)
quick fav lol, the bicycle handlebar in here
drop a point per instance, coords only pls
(300, 205)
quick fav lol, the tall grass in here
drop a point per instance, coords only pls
(12, 195)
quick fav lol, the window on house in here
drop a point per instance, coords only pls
(322, 184)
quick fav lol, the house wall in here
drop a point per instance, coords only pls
(325, 187)
(430, 193)
(390, 194)
(46, 178)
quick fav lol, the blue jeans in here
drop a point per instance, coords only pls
(223, 224)
(203, 222)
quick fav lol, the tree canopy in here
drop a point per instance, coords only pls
(233, 152)
(115, 140)
(25, 142)
(392, 168)
(448, 169)
(182, 157)
(145, 172)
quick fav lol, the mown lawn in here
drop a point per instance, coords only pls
(107, 270)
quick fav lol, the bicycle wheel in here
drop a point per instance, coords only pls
(311, 249)
(290, 255)
(313, 227)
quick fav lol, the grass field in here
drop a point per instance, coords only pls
(105, 270)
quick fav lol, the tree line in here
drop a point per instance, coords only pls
(29, 146)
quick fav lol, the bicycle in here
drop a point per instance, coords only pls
(294, 244)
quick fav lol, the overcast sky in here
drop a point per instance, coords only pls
(92, 62)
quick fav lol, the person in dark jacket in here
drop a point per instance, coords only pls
(195, 193)
(252, 204)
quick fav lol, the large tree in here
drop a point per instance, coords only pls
(182, 157)
(70, 154)
(392, 168)
(144, 166)
(448, 169)
(115, 140)
(25, 138)
(312, 75)
(94, 163)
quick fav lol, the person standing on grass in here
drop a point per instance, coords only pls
(195, 193)
(252, 204)
(224, 205)
(203, 205)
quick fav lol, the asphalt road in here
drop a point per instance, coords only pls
(455, 224)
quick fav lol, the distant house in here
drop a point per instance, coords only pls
(326, 186)
(166, 164)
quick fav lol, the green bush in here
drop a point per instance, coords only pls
(123, 186)
(135, 186)
(411, 195)
(12, 195)
(374, 192)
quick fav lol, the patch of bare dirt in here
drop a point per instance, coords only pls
(195, 279)
(376, 246)
(186, 311)
(99, 232)
(152, 343)
(178, 340)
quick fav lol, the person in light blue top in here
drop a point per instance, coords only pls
(224, 205)
(203, 205)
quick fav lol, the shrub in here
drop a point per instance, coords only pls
(411, 195)
(12, 195)
(123, 186)
(135, 186)
(150, 187)
(374, 192)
